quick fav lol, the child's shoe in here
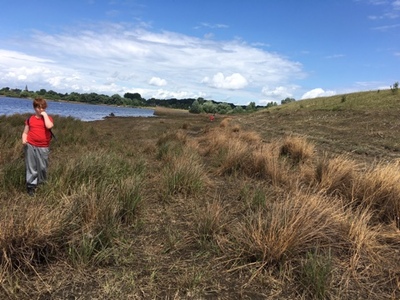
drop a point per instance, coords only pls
(31, 191)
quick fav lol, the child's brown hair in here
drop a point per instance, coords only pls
(39, 102)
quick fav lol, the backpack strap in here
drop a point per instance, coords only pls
(53, 135)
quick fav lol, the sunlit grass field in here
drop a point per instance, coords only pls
(301, 201)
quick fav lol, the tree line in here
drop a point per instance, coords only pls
(198, 105)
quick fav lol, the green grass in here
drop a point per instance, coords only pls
(375, 100)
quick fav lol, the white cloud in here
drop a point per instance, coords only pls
(156, 81)
(334, 56)
(213, 26)
(278, 93)
(318, 92)
(386, 27)
(391, 11)
(233, 82)
(165, 94)
(378, 2)
(124, 58)
(18, 58)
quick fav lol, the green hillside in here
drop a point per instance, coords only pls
(365, 125)
(371, 100)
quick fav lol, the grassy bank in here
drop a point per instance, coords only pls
(274, 205)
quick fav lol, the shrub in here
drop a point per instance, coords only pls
(196, 107)
(395, 87)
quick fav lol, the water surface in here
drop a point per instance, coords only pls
(81, 111)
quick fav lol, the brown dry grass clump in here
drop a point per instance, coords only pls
(377, 189)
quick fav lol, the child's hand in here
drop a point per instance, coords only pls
(43, 113)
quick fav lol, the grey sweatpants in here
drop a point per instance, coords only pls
(36, 163)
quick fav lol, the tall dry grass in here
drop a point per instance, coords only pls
(77, 213)
(183, 172)
(31, 234)
(237, 152)
(377, 189)
(297, 149)
(336, 175)
(288, 227)
(257, 218)
(326, 211)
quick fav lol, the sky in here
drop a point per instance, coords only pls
(236, 51)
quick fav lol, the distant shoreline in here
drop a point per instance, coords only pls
(78, 102)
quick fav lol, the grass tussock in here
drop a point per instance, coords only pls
(289, 227)
(188, 209)
(297, 149)
(336, 176)
(183, 175)
(30, 235)
(377, 189)
(210, 221)
(183, 171)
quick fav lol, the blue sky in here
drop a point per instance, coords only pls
(238, 51)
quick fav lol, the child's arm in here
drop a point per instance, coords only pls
(47, 122)
(25, 134)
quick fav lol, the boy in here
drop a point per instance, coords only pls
(36, 138)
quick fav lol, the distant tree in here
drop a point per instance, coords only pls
(195, 108)
(133, 96)
(238, 110)
(116, 99)
(209, 107)
(73, 97)
(395, 87)
(4, 90)
(42, 92)
(271, 104)
(251, 106)
(223, 108)
(288, 100)
(136, 103)
(24, 94)
(200, 100)
(151, 102)
(51, 92)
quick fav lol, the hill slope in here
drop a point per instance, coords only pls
(365, 125)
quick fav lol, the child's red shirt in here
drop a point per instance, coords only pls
(38, 134)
